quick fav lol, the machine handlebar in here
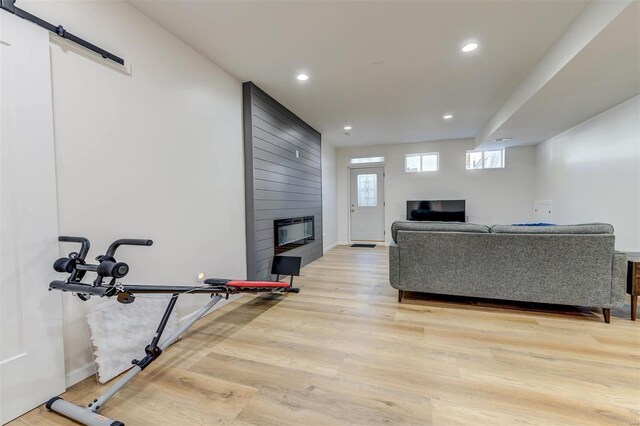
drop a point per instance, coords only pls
(84, 250)
(75, 265)
(126, 242)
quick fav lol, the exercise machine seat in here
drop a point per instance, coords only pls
(257, 284)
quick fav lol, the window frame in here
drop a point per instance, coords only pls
(482, 156)
(381, 159)
(420, 155)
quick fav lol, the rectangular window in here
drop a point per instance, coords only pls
(366, 160)
(414, 163)
(368, 190)
(491, 159)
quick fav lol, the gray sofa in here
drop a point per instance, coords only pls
(568, 265)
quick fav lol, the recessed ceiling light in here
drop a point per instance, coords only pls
(347, 128)
(469, 47)
(302, 77)
(447, 116)
(503, 139)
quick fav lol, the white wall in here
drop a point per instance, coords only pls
(591, 172)
(492, 196)
(329, 206)
(154, 154)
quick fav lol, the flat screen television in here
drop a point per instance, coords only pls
(436, 210)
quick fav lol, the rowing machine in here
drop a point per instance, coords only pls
(107, 267)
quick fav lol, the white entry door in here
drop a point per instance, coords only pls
(31, 347)
(367, 204)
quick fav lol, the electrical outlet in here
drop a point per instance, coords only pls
(200, 277)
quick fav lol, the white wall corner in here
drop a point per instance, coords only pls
(329, 247)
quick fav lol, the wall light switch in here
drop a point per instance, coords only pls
(297, 154)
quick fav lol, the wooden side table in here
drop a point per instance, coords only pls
(633, 281)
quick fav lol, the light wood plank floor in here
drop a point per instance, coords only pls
(343, 351)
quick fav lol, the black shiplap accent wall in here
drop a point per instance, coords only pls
(277, 184)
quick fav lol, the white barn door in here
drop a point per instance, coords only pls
(31, 347)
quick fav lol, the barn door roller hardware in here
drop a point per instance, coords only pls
(10, 6)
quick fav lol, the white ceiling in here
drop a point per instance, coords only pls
(390, 69)
(603, 74)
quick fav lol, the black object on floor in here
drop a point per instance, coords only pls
(286, 265)
(363, 245)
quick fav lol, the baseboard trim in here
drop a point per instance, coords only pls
(326, 249)
(79, 374)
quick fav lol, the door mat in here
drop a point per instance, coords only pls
(363, 245)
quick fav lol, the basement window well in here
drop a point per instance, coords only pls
(493, 159)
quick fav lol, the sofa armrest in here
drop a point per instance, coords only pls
(618, 278)
(394, 265)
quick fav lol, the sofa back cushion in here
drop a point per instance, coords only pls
(426, 226)
(587, 228)
(552, 268)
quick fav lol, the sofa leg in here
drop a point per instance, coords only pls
(400, 294)
(607, 315)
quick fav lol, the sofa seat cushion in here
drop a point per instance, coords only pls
(587, 228)
(412, 225)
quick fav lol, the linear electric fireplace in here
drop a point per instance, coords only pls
(291, 233)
